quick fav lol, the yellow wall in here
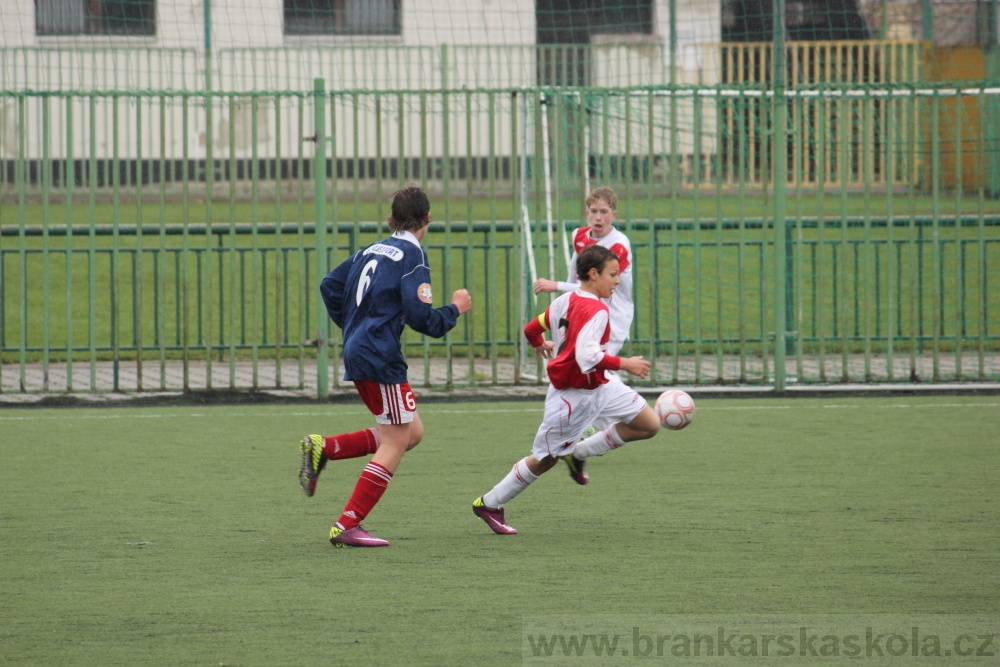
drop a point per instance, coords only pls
(956, 65)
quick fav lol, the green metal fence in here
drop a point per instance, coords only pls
(864, 300)
(206, 295)
(174, 241)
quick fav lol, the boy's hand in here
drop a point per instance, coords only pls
(543, 285)
(636, 366)
(545, 349)
(462, 300)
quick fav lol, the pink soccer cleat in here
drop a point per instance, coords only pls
(493, 517)
(355, 537)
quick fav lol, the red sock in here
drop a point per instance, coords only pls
(369, 489)
(351, 445)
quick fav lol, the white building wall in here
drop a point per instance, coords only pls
(180, 24)
(508, 22)
(242, 24)
(263, 82)
(17, 23)
(489, 43)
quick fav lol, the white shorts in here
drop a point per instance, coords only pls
(568, 413)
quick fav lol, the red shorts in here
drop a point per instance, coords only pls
(390, 403)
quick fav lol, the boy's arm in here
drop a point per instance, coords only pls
(545, 285)
(564, 286)
(636, 366)
(332, 290)
(417, 310)
(535, 330)
(572, 282)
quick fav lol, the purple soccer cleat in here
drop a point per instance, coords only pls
(576, 470)
(493, 517)
(355, 537)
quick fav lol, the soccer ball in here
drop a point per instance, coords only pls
(675, 408)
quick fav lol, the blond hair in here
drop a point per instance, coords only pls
(605, 193)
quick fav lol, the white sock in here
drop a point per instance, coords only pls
(516, 481)
(598, 443)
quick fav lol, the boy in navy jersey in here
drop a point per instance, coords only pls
(580, 391)
(371, 296)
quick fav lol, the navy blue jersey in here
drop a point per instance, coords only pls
(372, 295)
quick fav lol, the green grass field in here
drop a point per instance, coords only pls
(296, 204)
(179, 536)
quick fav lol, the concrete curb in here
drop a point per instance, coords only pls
(478, 394)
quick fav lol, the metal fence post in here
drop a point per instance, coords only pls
(780, 156)
(319, 180)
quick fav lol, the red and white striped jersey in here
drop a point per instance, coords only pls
(580, 328)
(621, 304)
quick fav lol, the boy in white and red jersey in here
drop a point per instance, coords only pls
(602, 209)
(580, 390)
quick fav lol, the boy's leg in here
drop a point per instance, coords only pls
(489, 506)
(567, 413)
(524, 472)
(598, 443)
(576, 465)
(602, 424)
(641, 427)
(636, 421)
(317, 450)
(352, 445)
(377, 474)
(400, 429)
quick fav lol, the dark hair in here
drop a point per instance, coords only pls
(410, 208)
(592, 257)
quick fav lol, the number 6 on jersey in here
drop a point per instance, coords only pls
(365, 280)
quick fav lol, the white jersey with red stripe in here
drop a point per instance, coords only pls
(620, 304)
(579, 328)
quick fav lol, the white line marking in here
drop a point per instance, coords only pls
(65, 415)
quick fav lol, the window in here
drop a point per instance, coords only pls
(565, 26)
(805, 20)
(342, 17)
(575, 22)
(621, 18)
(95, 17)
